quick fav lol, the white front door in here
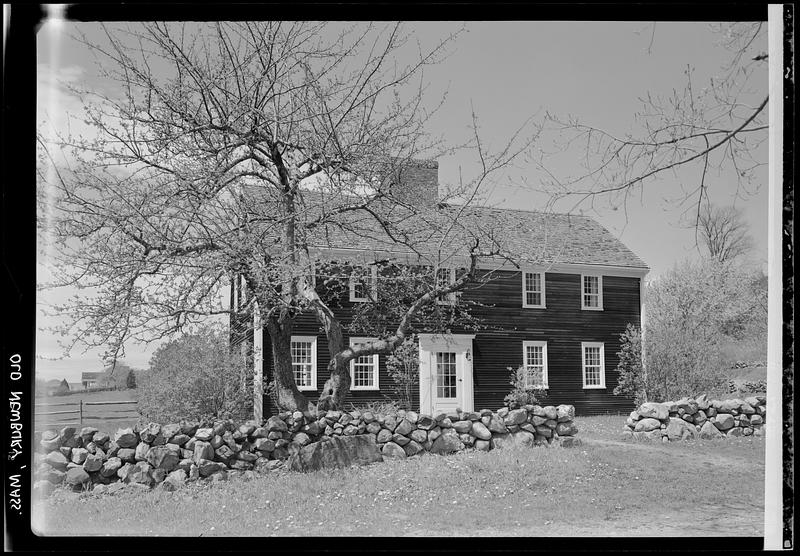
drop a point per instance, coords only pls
(445, 372)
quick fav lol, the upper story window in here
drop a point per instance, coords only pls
(304, 361)
(594, 367)
(533, 289)
(592, 292)
(534, 359)
(364, 284)
(363, 369)
(445, 277)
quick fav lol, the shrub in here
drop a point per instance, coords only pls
(194, 377)
(386, 407)
(523, 393)
(403, 367)
(632, 380)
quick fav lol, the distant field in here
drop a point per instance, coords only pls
(107, 418)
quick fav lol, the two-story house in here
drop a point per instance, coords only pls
(561, 317)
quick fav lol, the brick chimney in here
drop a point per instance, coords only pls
(416, 182)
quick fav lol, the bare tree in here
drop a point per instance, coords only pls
(724, 233)
(251, 149)
(700, 129)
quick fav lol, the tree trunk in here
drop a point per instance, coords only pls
(288, 396)
(337, 387)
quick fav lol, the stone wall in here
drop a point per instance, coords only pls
(169, 455)
(697, 418)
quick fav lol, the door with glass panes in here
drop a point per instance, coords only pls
(447, 377)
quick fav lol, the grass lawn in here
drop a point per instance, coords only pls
(607, 487)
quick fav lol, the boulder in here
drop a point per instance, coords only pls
(56, 460)
(756, 420)
(174, 480)
(647, 424)
(735, 431)
(87, 434)
(447, 443)
(419, 436)
(496, 425)
(653, 410)
(404, 427)
(384, 436)
(400, 440)
(206, 434)
(550, 412)
(66, 433)
(702, 402)
(202, 450)
(391, 450)
(77, 476)
(92, 463)
(522, 438)
(412, 448)
(50, 441)
(501, 441)
(517, 417)
(729, 406)
(262, 445)
(724, 421)
(110, 467)
(163, 457)
(142, 473)
(700, 417)
(462, 427)
(566, 429)
(149, 433)
(341, 451)
(679, 428)
(126, 438)
(480, 431)
(302, 438)
(565, 413)
(709, 431)
(207, 468)
(688, 405)
(141, 451)
(433, 434)
(544, 431)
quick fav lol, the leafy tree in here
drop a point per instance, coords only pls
(632, 381)
(130, 381)
(688, 314)
(196, 376)
(228, 150)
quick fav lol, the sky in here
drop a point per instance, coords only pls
(505, 72)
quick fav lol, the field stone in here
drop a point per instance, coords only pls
(141, 473)
(110, 467)
(126, 438)
(565, 413)
(544, 431)
(747, 431)
(708, 431)
(756, 420)
(350, 430)
(205, 434)
(216, 441)
(336, 452)
(735, 431)
(158, 475)
(425, 422)
(653, 410)
(164, 457)
(92, 463)
(496, 425)
(711, 412)
(50, 441)
(384, 436)
(462, 427)
(149, 433)
(87, 434)
(724, 421)
(519, 416)
(72, 442)
(522, 438)
(480, 431)
(647, 424)
(448, 442)
(65, 451)
(56, 460)
(141, 451)
(482, 445)
(77, 476)
(392, 450)
(678, 429)
(207, 468)
(433, 434)
(277, 435)
(66, 433)
(419, 436)
(566, 429)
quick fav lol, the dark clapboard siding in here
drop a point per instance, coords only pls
(562, 324)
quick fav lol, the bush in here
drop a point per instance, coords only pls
(403, 367)
(194, 377)
(522, 393)
(632, 380)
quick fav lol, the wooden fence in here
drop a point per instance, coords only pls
(82, 414)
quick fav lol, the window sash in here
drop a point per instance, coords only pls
(304, 362)
(592, 292)
(445, 277)
(364, 283)
(364, 369)
(446, 375)
(533, 289)
(594, 375)
(535, 363)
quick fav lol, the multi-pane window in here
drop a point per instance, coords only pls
(364, 283)
(363, 369)
(304, 362)
(534, 356)
(445, 374)
(533, 289)
(445, 277)
(592, 292)
(594, 370)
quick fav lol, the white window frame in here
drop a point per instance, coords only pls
(313, 341)
(373, 285)
(449, 298)
(599, 292)
(525, 291)
(602, 384)
(543, 345)
(375, 368)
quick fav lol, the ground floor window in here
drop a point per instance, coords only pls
(534, 356)
(363, 369)
(594, 370)
(304, 362)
